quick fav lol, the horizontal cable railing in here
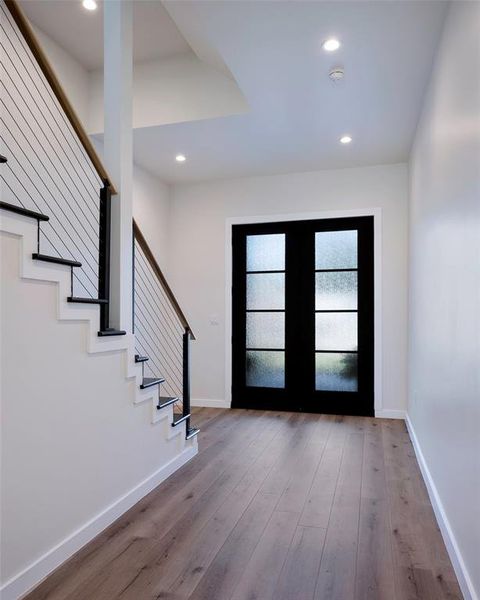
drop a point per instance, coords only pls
(50, 172)
(162, 332)
(48, 167)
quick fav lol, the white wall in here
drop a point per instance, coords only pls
(81, 442)
(74, 78)
(151, 211)
(177, 89)
(444, 327)
(197, 255)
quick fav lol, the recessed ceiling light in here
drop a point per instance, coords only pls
(331, 45)
(180, 158)
(89, 4)
(345, 139)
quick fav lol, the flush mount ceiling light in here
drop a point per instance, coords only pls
(89, 4)
(180, 158)
(345, 139)
(331, 45)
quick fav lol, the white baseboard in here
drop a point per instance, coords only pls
(208, 403)
(390, 413)
(30, 577)
(464, 580)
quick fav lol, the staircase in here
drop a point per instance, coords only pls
(51, 174)
(93, 417)
(147, 382)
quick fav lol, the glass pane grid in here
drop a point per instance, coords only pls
(265, 311)
(336, 318)
(336, 311)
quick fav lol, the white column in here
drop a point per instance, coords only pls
(118, 153)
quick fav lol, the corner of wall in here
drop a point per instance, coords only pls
(451, 543)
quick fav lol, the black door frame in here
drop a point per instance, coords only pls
(298, 374)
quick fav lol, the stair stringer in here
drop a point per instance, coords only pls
(26, 230)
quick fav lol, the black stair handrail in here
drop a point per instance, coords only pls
(19, 210)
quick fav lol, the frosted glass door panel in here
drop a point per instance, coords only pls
(265, 291)
(266, 252)
(336, 331)
(336, 250)
(336, 372)
(265, 369)
(265, 330)
(336, 291)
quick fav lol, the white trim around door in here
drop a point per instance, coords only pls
(309, 216)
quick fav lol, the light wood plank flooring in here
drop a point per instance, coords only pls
(276, 506)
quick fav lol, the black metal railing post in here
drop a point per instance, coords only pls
(104, 254)
(186, 377)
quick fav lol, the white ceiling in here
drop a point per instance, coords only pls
(80, 32)
(273, 49)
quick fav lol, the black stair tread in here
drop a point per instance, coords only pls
(150, 381)
(56, 259)
(87, 300)
(19, 210)
(164, 401)
(139, 359)
(111, 332)
(177, 419)
(192, 433)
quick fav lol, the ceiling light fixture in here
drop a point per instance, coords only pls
(180, 158)
(345, 139)
(331, 45)
(89, 4)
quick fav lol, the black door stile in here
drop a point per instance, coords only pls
(299, 393)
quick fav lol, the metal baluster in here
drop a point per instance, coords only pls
(104, 255)
(186, 377)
